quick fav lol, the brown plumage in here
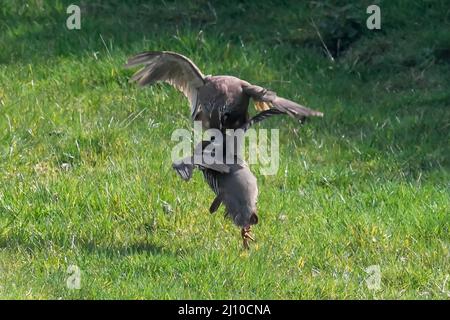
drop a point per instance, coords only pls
(220, 102)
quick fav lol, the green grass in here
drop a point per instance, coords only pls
(85, 166)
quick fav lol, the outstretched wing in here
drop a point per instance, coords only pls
(260, 117)
(169, 67)
(185, 166)
(266, 100)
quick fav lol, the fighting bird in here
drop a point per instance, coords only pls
(219, 102)
(234, 185)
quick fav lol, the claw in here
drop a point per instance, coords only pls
(246, 236)
(249, 237)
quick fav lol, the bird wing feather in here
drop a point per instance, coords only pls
(170, 67)
(268, 100)
(211, 179)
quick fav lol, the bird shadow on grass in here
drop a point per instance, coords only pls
(34, 245)
(123, 250)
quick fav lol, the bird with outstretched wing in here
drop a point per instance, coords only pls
(220, 102)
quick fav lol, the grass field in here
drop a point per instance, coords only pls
(85, 169)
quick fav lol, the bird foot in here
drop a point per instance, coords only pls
(246, 236)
